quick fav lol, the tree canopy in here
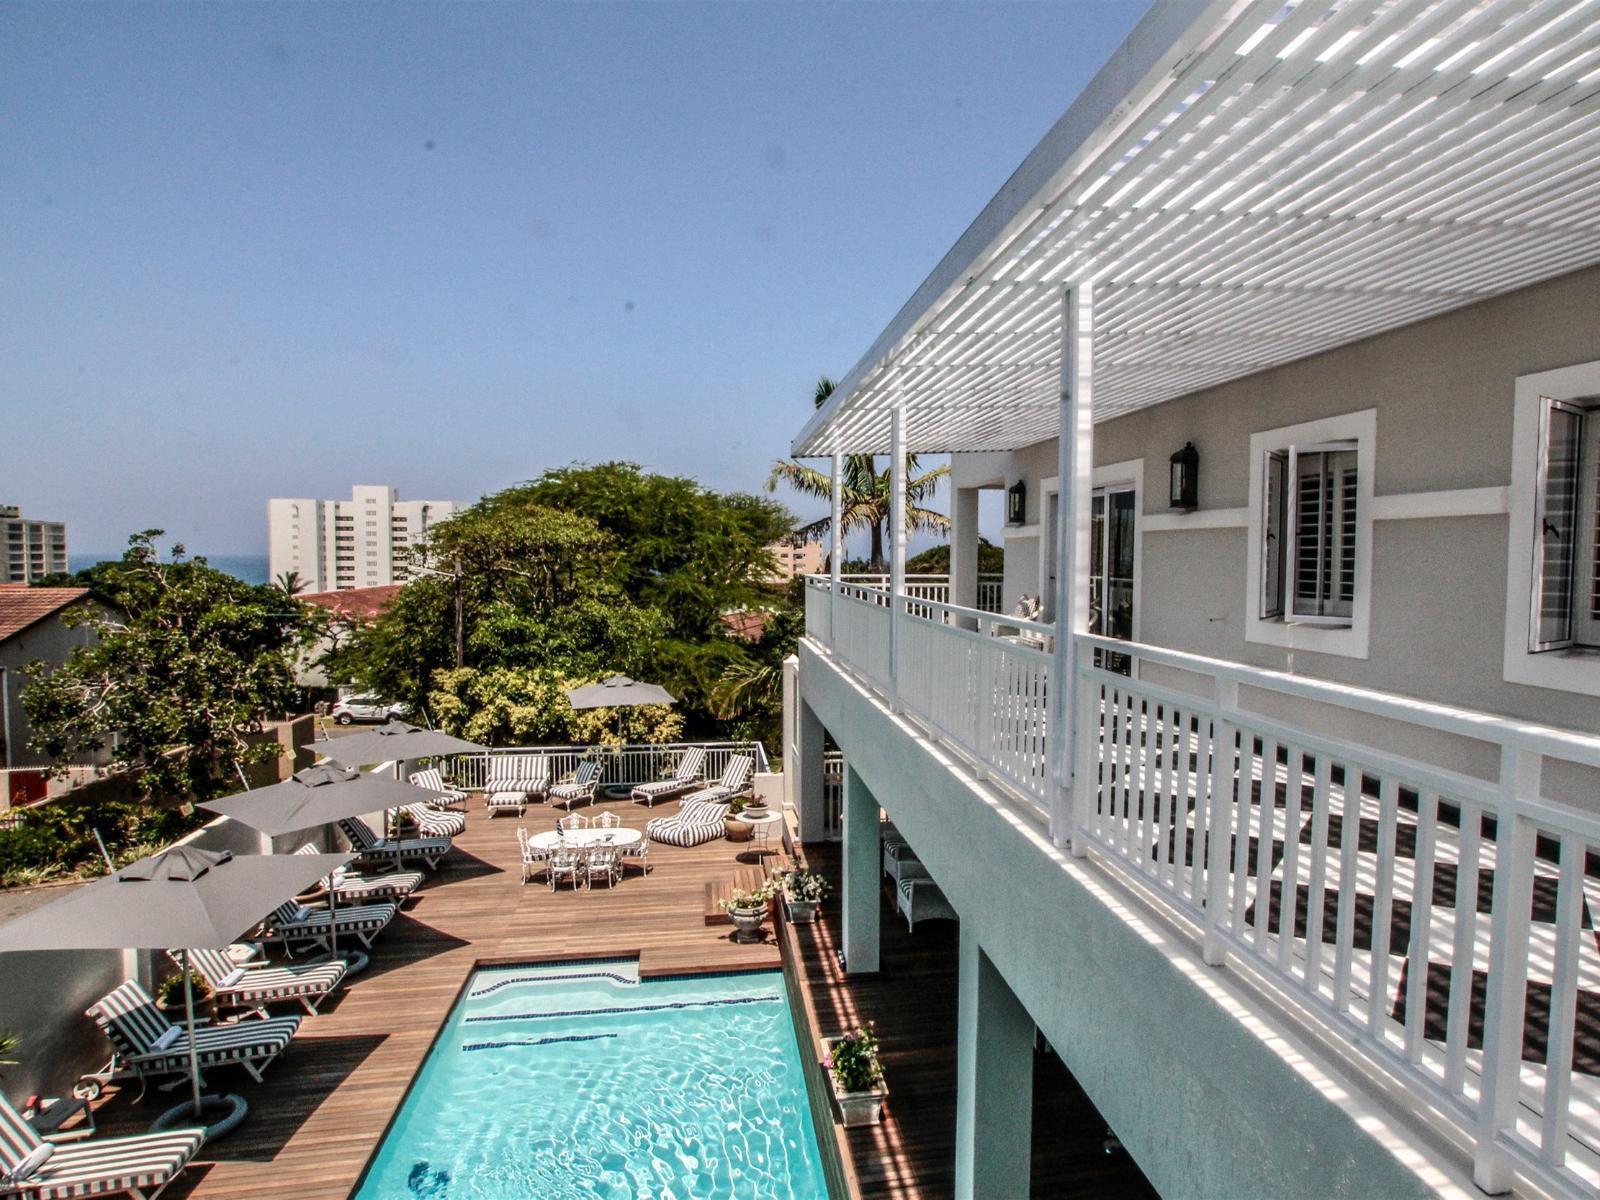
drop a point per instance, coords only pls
(187, 663)
(584, 572)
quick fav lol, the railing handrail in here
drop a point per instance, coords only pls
(1430, 714)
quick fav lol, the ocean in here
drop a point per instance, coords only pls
(252, 568)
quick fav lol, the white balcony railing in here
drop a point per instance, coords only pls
(935, 587)
(1330, 866)
(621, 765)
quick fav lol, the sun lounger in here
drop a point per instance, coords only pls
(144, 1045)
(446, 795)
(691, 769)
(735, 781)
(255, 985)
(141, 1165)
(352, 889)
(691, 825)
(435, 822)
(292, 924)
(391, 852)
(582, 786)
(514, 781)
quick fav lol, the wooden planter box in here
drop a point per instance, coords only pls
(855, 1108)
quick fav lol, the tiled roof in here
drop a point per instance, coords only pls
(22, 606)
(355, 604)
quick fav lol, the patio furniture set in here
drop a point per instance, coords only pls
(582, 850)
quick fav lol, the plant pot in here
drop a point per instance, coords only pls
(756, 810)
(205, 1009)
(801, 912)
(747, 923)
(738, 831)
(855, 1108)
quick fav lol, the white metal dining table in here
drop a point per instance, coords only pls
(582, 839)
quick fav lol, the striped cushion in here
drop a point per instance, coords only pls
(359, 889)
(516, 772)
(430, 779)
(689, 771)
(261, 985)
(691, 825)
(18, 1139)
(435, 823)
(295, 923)
(98, 1167)
(131, 1021)
(368, 845)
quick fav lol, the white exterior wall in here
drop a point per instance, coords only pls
(337, 544)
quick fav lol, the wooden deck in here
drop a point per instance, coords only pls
(326, 1104)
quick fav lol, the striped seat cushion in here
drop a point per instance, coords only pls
(145, 1161)
(294, 922)
(433, 781)
(261, 985)
(516, 773)
(435, 822)
(691, 825)
(688, 773)
(133, 1023)
(369, 845)
(360, 889)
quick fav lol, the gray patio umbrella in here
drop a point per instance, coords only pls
(183, 896)
(395, 741)
(317, 796)
(618, 692)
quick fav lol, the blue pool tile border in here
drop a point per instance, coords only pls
(546, 1041)
(568, 977)
(665, 1006)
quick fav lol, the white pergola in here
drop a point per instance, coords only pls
(1246, 183)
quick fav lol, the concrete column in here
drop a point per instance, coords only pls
(835, 544)
(1075, 466)
(897, 542)
(863, 860)
(789, 747)
(994, 1080)
(808, 790)
(964, 548)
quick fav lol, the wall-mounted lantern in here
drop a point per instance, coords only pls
(1186, 478)
(1017, 503)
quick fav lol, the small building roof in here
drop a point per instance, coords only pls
(22, 606)
(355, 604)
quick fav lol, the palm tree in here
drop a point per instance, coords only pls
(289, 582)
(868, 497)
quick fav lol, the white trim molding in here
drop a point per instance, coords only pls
(1200, 518)
(1564, 670)
(1465, 502)
(1019, 531)
(1348, 641)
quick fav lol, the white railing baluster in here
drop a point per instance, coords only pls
(1240, 819)
(1289, 886)
(1349, 843)
(1266, 811)
(1465, 915)
(1561, 1032)
(1417, 949)
(1382, 905)
(1317, 888)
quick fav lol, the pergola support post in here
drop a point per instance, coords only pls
(897, 544)
(835, 545)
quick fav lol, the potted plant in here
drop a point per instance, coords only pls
(8, 1046)
(856, 1076)
(802, 891)
(169, 996)
(747, 909)
(403, 825)
(738, 831)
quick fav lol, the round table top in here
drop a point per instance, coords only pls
(770, 819)
(616, 836)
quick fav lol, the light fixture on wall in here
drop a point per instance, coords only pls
(1186, 478)
(1017, 503)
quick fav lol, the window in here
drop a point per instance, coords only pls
(1566, 566)
(1308, 523)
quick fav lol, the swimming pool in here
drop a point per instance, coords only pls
(577, 1080)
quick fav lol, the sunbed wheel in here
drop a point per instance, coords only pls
(88, 1089)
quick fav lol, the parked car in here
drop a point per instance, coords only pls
(367, 708)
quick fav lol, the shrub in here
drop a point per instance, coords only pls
(854, 1060)
(804, 886)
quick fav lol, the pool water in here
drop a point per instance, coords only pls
(576, 1079)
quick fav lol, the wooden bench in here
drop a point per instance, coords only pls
(746, 879)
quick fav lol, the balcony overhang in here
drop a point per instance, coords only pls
(1246, 183)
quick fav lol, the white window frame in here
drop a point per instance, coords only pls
(1348, 638)
(1576, 670)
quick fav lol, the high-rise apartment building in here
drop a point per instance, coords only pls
(804, 559)
(30, 549)
(360, 542)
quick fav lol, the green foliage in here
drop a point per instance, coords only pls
(747, 899)
(8, 1046)
(804, 886)
(853, 1060)
(57, 840)
(585, 572)
(936, 560)
(170, 993)
(186, 663)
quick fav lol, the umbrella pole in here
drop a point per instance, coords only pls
(188, 1009)
(333, 918)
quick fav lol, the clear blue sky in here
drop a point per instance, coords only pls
(250, 250)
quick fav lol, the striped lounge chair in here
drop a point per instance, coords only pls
(735, 781)
(256, 985)
(690, 825)
(584, 783)
(511, 782)
(293, 924)
(141, 1165)
(922, 900)
(391, 852)
(691, 769)
(352, 889)
(445, 795)
(435, 822)
(146, 1045)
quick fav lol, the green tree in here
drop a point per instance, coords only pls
(935, 560)
(867, 495)
(289, 583)
(186, 664)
